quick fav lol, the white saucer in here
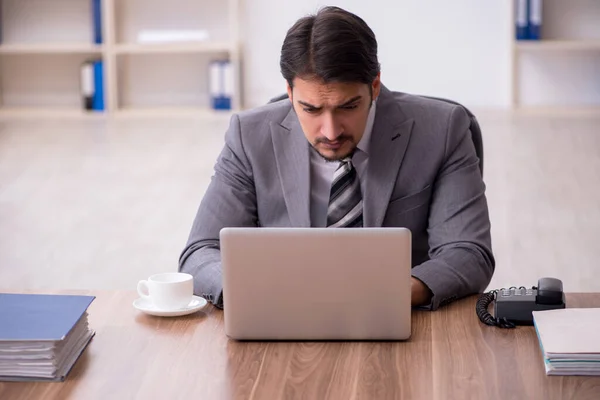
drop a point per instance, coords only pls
(149, 308)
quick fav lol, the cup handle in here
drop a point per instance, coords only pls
(143, 290)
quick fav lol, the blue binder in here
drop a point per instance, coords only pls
(535, 20)
(221, 85)
(97, 20)
(522, 19)
(87, 85)
(98, 98)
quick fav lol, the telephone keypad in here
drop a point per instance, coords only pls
(516, 292)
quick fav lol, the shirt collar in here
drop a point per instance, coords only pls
(363, 145)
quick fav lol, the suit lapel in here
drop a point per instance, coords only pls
(389, 140)
(293, 164)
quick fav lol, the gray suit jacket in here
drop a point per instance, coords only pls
(422, 174)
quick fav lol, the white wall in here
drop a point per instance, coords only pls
(459, 49)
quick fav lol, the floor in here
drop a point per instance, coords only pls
(97, 204)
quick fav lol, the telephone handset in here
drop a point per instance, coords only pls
(514, 306)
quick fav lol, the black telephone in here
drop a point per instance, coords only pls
(514, 306)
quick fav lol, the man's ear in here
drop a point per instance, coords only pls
(376, 86)
(289, 91)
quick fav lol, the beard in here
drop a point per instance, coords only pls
(347, 149)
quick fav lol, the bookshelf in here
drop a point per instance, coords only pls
(45, 42)
(559, 72)
(51, 48)
(214, 47)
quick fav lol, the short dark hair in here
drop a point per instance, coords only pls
(334, 46)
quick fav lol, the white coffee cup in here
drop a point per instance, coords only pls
(168, 291)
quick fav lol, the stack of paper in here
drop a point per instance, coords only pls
(172, 36)
(570, 340)
(41, 336)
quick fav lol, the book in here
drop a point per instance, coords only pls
(569, 341)
(42, 336)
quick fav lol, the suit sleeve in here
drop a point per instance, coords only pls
(229, 201)
(461, 260)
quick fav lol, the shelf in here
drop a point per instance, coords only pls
(46, 21)
(169, 48)
(46, 42)
(557, 110)
(558, 45)
(162, 112)
(51, 48)
(132, 17)
(48, 112)
(558, 74)
(150, 112)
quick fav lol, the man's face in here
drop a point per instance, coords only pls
(333, 116)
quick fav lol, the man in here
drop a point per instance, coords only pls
(344, 151)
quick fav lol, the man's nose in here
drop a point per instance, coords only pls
(330, 128)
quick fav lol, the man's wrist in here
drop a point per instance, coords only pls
(219, 302)
(420, 292)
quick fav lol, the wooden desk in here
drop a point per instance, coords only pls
(451, 356)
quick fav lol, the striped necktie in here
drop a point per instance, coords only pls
(345, 200)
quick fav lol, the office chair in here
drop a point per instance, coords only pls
(474, 126)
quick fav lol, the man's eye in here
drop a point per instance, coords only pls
(311, 110)
(350, 107)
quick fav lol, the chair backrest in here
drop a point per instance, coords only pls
(474, 126)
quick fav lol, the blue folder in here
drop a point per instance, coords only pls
(221, 76)
(98, 98)
(97, 20)
(522, 19)
(534, 25)
(39, 317)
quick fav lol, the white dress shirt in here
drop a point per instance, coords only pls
(321, 174)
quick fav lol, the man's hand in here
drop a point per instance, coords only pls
(420, 293)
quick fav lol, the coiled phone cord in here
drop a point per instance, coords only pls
(484, 316)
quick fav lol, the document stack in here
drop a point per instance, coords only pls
(569, 340)
(42, 336)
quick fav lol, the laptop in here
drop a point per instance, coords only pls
(316, 283)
